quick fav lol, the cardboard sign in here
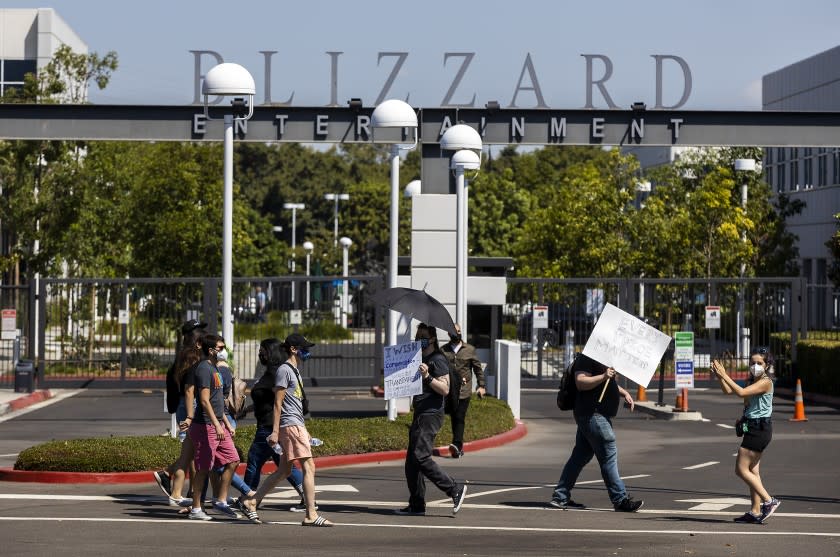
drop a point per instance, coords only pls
(626, 343)
(402, 370)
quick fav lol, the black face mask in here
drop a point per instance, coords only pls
(263, 359)
(455, 338)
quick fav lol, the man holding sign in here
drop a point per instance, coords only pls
(618, 340)
(596, 403)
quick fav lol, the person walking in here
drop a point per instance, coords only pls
(180, 396)
(288, 429)
(595, 435)
(271, 356)
(463, 360)
(210, 431)
(425, 425)
(756, 428)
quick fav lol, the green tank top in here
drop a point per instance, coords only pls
(760, 406)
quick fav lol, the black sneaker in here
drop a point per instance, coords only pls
(768, 508)
(454, 451)
(748, 518)
(628, 505)
(458, 498)
(162, 479)
(567, 504)
(408, 511)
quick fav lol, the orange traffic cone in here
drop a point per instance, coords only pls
(641, 394)
(798, 405)
(684, 400)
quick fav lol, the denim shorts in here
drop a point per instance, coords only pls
(181, 415)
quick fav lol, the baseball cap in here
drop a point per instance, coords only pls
(297, 339)
(192, 324)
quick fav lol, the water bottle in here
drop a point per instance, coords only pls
(277, 448)
(315, 442)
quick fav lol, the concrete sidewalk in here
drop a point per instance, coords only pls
(11, 401)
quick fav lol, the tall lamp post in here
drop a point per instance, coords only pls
(294, 208)
(394, 113)
(465, 141)
(229, 80)
(741, 350)
(308, 247)
(345, 245)
(336, 197)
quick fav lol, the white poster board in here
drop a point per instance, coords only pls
(626, 343)
(713, 317)
(402, 370)
(540, 317)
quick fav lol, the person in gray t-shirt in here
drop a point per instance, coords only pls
(288, 430)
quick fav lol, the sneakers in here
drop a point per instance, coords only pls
(162, 479)
(458, 498)
(628, 505)
(224, 508)
(199, 514)
(249, 514)
(301, 507)
(567, 504)
(454, 451)
(768, 508)
(182, 502)
(748, 518)
(408, 511)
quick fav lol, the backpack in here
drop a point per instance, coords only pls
(567, 392)
(236, 399)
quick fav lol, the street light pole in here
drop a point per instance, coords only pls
(394, 114)
(345, 244)
(228, 79)
(336, 197)
(294, 208)
(308, 247)
(742, 165)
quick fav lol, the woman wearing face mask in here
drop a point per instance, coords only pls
(757, 428)
(428, 419)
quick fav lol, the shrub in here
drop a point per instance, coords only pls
(487, 417)
(818, 366)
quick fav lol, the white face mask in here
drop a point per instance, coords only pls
(756, 370)
(222, 355)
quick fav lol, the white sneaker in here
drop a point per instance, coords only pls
(182, 502)
(199, 514)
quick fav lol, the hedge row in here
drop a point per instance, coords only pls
(487, 417)
(819, 366)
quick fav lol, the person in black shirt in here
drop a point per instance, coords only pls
(595, 435)
(428, 419)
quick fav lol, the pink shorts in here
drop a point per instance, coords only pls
(295, 442)
(210, 452)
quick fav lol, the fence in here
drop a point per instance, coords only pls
(84, 339)
(767, 312)
(124, 331)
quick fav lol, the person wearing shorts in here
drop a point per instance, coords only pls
(289, 430)
(756, 427)
(210, 431)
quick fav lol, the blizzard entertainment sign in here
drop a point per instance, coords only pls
(599, 70)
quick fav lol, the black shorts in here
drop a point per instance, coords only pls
(758, 435)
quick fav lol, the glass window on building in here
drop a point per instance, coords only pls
(12, 73)
(768, 176)
(822, 168)
(808, 168)
(835, 163)
(780, 156)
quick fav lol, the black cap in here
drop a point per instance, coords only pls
(298, 340)
(192, 324)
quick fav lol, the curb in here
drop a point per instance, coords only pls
(667, 412)
(26, 400)
(10, 475)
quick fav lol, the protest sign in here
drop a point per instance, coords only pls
(402, 370)
(626, 343)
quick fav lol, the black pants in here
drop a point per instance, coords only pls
(459, 418)
(419, 463)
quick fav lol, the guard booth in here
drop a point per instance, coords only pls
(486, 295)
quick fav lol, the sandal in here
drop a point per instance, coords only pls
(319, 521)
(249, 514)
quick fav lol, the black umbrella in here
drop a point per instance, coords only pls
(417, 304)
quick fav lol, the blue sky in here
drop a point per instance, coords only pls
(729, 46)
